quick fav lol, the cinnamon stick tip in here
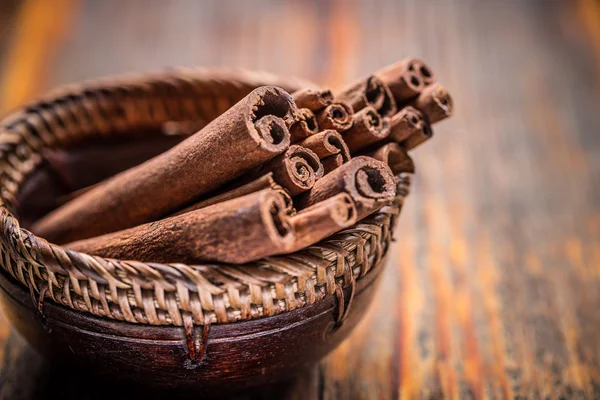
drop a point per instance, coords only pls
(345, 211)
(276, 215)
(272, 100)
(335, 142)
(374, 179)
(306, 164)
(442, 98)
(413, 117)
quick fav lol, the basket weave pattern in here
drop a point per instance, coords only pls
(152, 293)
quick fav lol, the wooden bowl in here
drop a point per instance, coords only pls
(238, 355)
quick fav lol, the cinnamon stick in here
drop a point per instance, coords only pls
(370, 91)
(369, 183)
(395, 157)
(322, 220)
(327, 143)
(265, 181)
(337, 115)
(368, 127)
(305, 125)
(236, 231)
(417, 137)
(423, 70)
(296, 170)
(330, 147)
(435, 103)
(247, 135)
(405, 123)
(313, 99)
(406, 78)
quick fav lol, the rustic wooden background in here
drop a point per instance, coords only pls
(493, 289)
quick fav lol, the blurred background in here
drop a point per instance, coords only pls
(493, 285)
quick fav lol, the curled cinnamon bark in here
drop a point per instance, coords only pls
(330, 147)
(305, 126)
(296, 170)
(435, 103)
(417, 137)
(389, 106)
(327, 143)
(365, 92)
(395, 157)
(406, 78)
(370, 91)
(265, 181)
(369, 183)
(368, 127)
(322, 220)
(420, 68)
(236, 231)
(313, 99)
(336, 116)
(405, 123)
(247, 135)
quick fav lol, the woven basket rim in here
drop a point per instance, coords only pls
(154, 293)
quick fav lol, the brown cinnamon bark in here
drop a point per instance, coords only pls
(336, 116)
(406, 78)
(435, 103)
(395, 157)
(405, 123)
(389, 106)
(370, 91)
(417, 137)
(423, 70)
(305, 126)
(296, 170)
(368, 127)
(369, 183)
(313, 99)
(263, 182)
(247, 135)
(236, 231)
(330, 147)
(322, 220)
(327, 143)
(332, 162)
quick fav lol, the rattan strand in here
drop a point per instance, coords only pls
(163, 294)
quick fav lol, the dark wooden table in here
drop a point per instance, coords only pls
(493, 289)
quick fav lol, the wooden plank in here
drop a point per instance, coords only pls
(493, 286)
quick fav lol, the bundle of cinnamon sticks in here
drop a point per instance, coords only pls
(275, 173)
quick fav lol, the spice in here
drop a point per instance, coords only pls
(336, 116)
(296, 170)
(305, 125)
(395, 157)
(322, 220)
(368, 127)
(313, 99)
(330, 147)
(370, 91)
(406, 78)
(405, 123)
(250, 133)
(435, 103)
(235, 231)
(369, 182)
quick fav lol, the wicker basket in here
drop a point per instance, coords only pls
(166, 294)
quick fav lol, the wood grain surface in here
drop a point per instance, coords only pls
(493, 287)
